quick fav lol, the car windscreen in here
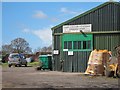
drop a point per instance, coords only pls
(15, 56)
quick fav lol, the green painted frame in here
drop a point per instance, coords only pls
(77, 37)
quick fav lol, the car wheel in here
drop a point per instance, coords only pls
(19, 65)
(15, 65)
(9, 65)
(25, 65)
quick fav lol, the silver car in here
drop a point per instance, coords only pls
(17, 60)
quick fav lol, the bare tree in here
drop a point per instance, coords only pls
(37, 50)
(49, 49)
(20, 45)
(44, 49)
(7, 49)
(28, 50)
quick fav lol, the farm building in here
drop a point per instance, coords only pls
(73, 40)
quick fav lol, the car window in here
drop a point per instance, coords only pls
(15, 56)
(21, 56)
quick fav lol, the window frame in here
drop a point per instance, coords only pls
(81, 48)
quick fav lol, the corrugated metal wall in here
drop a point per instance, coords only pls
(58, 30)
(77, 62)
(106, 18)
(56, 57)
(106, 41)
(103, 19)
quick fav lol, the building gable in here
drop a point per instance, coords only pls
(96, 16)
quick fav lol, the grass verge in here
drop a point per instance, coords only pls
(34, 64)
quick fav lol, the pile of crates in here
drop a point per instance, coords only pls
(102, 62)
(96, 62)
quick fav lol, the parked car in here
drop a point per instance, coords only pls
(5, 58)
(17, 60)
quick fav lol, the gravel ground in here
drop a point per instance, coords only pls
(28, 77)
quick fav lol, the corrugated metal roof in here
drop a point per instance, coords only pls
(89, 11)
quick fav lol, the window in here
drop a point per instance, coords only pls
(15, 56)
(69, 44)
(79, 44)
(84, 44)
(88, 45)
(75, 45)
(65, 45)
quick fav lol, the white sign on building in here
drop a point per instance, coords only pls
(56, 52)
(65, 49)
(70, 52)
(77, 28)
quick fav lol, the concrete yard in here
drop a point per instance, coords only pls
(28, 77)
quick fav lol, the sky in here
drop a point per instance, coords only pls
(33, 20)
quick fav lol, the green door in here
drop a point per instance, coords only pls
(79, 45)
